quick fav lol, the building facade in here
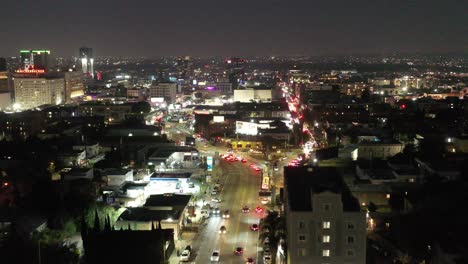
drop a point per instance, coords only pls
(166, 90)
(74, 87)
(34, 91)
(248, 95)
(87, 61)
(34, 59)
(324, 221)
(379, 150)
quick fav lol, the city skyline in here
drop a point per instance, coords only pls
(262, 28)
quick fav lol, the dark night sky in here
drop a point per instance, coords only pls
(240, 27)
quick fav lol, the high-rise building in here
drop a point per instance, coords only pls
(324, 221)
(73, 85)
(3, 65)
(3, 76)
(184, 67)
(34, 59)
(166, 90)
(236, 71)
(35, 89)
(87, 61)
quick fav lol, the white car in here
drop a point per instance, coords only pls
(215, 256)
(185, 256)
(216, 199)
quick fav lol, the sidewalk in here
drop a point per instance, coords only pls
(187, 239)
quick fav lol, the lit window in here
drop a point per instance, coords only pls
(326, 253)
(388, 196)
(302, 238)
(326, 239)
(326, 225)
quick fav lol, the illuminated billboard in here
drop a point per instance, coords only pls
(246, 128)
(218, 119)
(209, 163)
(265, 183)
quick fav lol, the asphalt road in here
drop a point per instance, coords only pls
(240, 187)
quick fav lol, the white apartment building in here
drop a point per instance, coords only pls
(35, 91)
(250, 94)
(166, 90)
(379, 149)
(324, 222)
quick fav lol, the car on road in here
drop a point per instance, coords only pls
(214, 192)
(254, 227)
(244, 160)
(226, 214)
(222, 230)
(239, 251)
(185, 256)
(215, 256)
(216, 199)
(258, 209)
(188, 247)
(264, 200)
(216, 211)
(245, 209)
(250, 261)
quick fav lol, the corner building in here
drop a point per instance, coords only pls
(324, 222)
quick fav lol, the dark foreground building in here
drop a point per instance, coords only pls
(127, 246)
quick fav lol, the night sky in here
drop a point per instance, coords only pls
(241, 27)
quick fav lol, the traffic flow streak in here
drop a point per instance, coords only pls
(240, 188)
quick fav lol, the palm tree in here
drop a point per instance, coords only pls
(273, 228)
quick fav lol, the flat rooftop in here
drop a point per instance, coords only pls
(302, 182)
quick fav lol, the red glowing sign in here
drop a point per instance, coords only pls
(33, 71)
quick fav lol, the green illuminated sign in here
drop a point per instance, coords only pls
(35, 51)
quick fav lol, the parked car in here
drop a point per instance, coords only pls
(185, 256)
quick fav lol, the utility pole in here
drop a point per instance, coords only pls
(39, 251)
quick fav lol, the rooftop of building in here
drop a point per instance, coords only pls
(142, 214)
(175, 200)
(172, 175)
(381, 142)
(116, 171)
(167, 151)
(302, 182)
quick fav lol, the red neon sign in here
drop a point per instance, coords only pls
(30, 71)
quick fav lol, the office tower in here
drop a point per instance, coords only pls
(3, 65)
(73, 85)
(34, 89)
(236, 71)
(34, 59)
(184, 67)
(323, 219)
(87, 61)
(3, 76)
(166, 90)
